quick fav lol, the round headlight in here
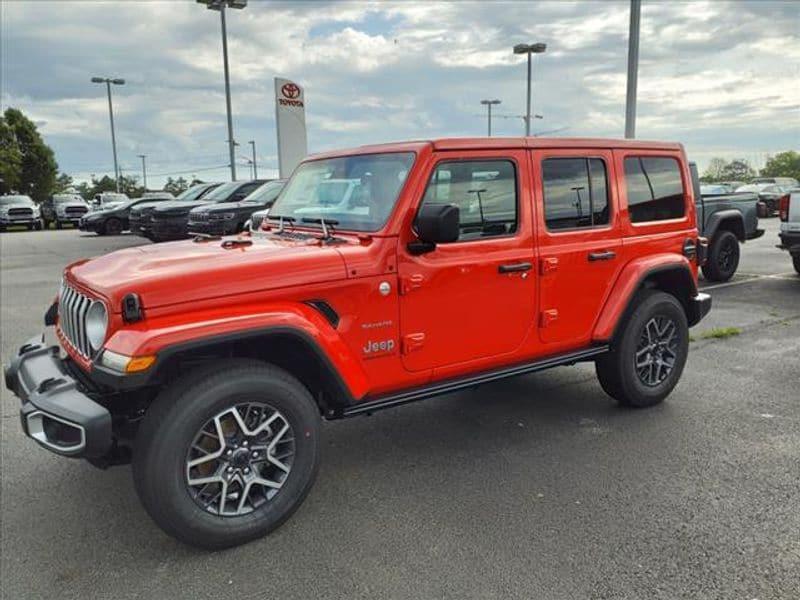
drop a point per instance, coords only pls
(96, 324)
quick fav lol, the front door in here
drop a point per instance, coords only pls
(579, 241)
(476, 297)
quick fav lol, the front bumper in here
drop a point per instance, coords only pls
(790, 241)
(89, 225)
(10, 221)
(54, 412)
(216, 227)
(698, 307)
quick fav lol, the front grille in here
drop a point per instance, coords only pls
(20, 212)
(72, 309)
(198, 217)
(76, 211)
(255, 221)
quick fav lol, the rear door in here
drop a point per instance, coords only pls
(579, 241)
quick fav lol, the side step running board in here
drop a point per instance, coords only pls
(453, 385)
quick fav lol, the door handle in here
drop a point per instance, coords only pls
(606, 255)
(515, 268)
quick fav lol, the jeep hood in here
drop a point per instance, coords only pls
(209, 207)
(187, 271)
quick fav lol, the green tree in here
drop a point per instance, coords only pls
(63, 183)
(176, 186)
(783, 164)
(39, 168)
(737, 170)
(714, 171)
(10, 159)
(127, 185)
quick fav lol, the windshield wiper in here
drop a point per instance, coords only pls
(281, 219)
(326, 223)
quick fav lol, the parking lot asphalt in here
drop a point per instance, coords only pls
(535, 487)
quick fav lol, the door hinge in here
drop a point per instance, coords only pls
(410, 283)
(547, 317)
(548, 265)
(412, 341)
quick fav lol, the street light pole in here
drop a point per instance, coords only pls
(108, 81)
(488, 104)
(144, 171)
(255, 167)
(633, 69)
(537, 48)
(221, 5)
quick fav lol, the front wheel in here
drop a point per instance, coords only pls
(226, 458)
(113, 226)
(648, 356)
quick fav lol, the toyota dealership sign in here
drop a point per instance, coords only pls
(290, 119)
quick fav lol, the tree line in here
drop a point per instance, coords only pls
(28, 166)
(783, 164)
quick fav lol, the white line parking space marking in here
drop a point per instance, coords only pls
(751, 279)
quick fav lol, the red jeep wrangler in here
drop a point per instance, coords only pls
(384, 275)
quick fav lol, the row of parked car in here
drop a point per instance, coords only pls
(769, 190)
(204, 209)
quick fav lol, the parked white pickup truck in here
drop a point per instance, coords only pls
(789, 213)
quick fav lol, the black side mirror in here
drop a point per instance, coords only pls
(435, 224)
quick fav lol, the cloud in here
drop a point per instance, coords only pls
(719, 76)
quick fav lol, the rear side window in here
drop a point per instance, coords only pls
(575, 193)
(485, 192)
(655, 189)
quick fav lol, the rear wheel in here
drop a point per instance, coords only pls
(648, 356)
(226, 458)
(723, 257)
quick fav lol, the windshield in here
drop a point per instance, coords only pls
(222, 192)
(192, 193)
(357, 191)
(266, 193)
(66, 199)
(4, 200)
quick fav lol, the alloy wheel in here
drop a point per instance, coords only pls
(240, 459)
(657, 350)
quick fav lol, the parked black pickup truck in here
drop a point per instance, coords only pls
(228, 218)
(725, 220)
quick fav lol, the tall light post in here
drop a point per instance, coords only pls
(221, 5)
(489, 104)
(255, 166)
(144, 170)
(108, 81)
(633, 69)
(529, 49)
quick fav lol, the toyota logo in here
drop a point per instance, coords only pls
(290, 90)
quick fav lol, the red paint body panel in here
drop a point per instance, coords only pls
(405, 319)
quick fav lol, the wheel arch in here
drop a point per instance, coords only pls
(287, 347)
(673, 276)
(726, 220)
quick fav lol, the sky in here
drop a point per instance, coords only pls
(722, 77)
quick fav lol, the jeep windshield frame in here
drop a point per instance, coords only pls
(360, 191)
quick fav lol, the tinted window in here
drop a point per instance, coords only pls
(655, 189)
(575, 192)
(485, 192)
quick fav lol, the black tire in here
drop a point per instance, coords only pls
(112, 226)
(617, 371)
(59, 225)
(723, 257)
(38, 226)
(796, 263)
(31, 226)
(175, 419)
(45, 224)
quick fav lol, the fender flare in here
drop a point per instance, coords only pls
(302, 323)
(662, 269)
(726, 216)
